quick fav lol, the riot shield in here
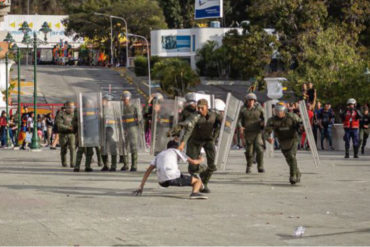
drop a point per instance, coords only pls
(229, 123)
(309, 132)
(89, 118)
(163, 120)
(112, 130)
(179, 106)
(268, 113)
(133, 125)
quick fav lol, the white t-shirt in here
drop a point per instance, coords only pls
(166, 163)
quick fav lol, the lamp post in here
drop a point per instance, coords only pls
(148, 57)
(26, 39)
(124, 20)
(10, 40)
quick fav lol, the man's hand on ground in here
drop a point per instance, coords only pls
(138, 192)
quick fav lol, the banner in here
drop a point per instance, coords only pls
(208, 9)
(179, 43)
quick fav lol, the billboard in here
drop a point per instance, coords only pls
(208, 9)
(176, 43)
(12, 23)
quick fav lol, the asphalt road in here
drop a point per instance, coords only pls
(44, 204)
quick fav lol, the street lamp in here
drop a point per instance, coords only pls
(27, 39)
(124, 20)
(10, 40)
(148, 57)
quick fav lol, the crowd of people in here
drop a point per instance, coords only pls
(196, 131)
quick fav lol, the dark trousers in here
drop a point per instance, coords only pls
(326, 132)
(349, 134)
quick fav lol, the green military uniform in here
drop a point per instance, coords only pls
(286, 131)
(130, 119)
(188, 113)
(67, 128)
(202, 131)
(112, 138)
(252, 120)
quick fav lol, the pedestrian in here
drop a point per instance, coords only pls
(286, 127)
(351, 124)
(202, 132)
(55, 130)
(364, 128)
(316, 122)
(251, 123)
(326, 120)
(312, 95)
(67, 127)
(304, 143)
(12, 129)
(169, 174)
(3, 127)
(49, 128)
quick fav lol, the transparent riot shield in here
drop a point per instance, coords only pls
(163, 115)
(133, 125)
(112, 131)
(179, 106)
(268, 114)
(229, 123)
(89, 118)
(309, 132)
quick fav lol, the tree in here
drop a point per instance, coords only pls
(178, 13)
(141, 15)
(332, 63)
(175, 76)
(40, 7)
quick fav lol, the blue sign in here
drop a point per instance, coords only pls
(180, 43)
(208, 9)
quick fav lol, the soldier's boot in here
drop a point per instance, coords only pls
(206, 176)
(355, 152)
(78, 161)
(362, 149)
(133, 162)
(121, 159)
(98, 154)
(64, 160)
(260, 164)
(249, 163)
(347, 154)
(88, 163)
(105, 163)
(293, 175)
(113, 167)
(298, 176)
(125, 163)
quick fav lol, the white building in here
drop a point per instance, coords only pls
(185, 42)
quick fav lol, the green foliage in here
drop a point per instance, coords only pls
(178, 13)
(141, 16)
(333, 65)
(242, 56)
(175, 76)
(141, 66)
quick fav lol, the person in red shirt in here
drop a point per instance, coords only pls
(3, 126)
(351, 124)
(310, 116)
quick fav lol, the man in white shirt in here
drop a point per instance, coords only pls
(169, 174)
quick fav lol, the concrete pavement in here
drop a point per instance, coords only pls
(44, 204)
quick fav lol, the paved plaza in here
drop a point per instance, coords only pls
(45, 204)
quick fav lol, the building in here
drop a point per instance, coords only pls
(184, 43)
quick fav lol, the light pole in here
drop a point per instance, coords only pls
(148, 58)
(26, 39)
(124, 20)
(10, 40)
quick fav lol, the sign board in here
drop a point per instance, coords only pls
(179, 43)
(12, 23)
(3, 49)
(208, 9)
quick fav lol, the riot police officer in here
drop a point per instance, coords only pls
(66, 122)
(351, 124)
(251, 124)
(364, 128)
(130, 120)
(201, 132)
(286, 127)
